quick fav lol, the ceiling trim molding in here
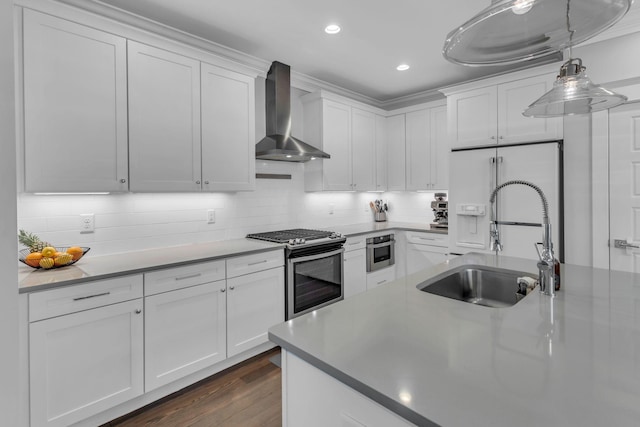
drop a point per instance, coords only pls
(630, 23)
(260, 66)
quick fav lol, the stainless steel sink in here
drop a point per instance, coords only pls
(482, 285)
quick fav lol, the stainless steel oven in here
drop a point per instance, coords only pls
(314, 269)
(315, 278)
(380, 252)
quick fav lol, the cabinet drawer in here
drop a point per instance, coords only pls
(257, 262)
(432, 239)
(71, 299)
(356, 242)
(381, 277)
(171, 279)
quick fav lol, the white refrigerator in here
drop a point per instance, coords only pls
(476, 171)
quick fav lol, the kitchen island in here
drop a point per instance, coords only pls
(422, 359)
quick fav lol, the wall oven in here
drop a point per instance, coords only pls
(380, 252)
(314, 268)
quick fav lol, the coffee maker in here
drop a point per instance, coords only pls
(440, 208)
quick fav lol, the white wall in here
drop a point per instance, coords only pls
(8, 289)
(127, 222)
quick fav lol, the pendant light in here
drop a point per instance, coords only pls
(512, 31)
(573, 92)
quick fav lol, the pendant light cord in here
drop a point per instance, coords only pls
(570, 31)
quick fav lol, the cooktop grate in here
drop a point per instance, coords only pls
(283, 236)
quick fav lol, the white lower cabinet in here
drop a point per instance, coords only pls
(381, 277)
(341, 406)
(355, 266)
(85, 362)
(255, 302)
(185, 331)
(425, 250)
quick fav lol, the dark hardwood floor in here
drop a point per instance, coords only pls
(248, 394)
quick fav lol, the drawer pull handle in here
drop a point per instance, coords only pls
(381, 282)
(426, 238)
(223, 290)
(190, 276)
(355, 243)
(138, 311)
(232, 287)
(92, 296)
(257, 262)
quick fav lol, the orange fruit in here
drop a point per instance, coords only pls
(57, 254)
(48, 252)
(33, 259)
(75, 251)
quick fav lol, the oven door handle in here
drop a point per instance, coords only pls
(381, 245)
(316, 256)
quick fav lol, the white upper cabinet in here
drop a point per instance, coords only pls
(164, 120)
(228, 130)
(75, 107)
(351, 136)
(381, 153)
(336, 136)
(513, 99)
(424, 165)
(439, 149)
(363, 150)
(418, 150)
(492, 114)
(396, 153)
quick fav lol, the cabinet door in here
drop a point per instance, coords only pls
(185, 331)
(84, 363)
(75, 107)
(164, 120)
(513, 99)
(418, 150)
(255, 302)
(363, 149)
(228, 130)
(336, 136)
(420, 257)
(381, 153)
(439, 149)
(355, 272)
(396, 153)
(381, 277)
(472, 117)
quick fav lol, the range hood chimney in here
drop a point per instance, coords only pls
(279, 144)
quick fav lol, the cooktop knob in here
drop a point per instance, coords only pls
(292, 241)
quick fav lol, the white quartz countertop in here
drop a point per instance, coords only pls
(571, 360)
(105, 266)
(102, 267)
(372, 227)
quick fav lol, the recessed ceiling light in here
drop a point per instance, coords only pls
(402, 67)
(332, 29)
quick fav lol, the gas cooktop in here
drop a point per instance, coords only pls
(298, 236)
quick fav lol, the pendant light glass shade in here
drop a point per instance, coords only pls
(512, 31)
(573, 93)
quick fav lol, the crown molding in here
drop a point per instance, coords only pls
(630, 23)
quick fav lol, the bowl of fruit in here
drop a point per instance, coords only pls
(40, 254)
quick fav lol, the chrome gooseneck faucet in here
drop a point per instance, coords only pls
(546, 264)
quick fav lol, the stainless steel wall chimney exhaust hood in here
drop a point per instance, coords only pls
(279, 144)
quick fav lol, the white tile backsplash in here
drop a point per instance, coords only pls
(134, 221)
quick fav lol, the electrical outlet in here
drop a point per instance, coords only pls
(331, 207)
(87, 223)
(211, 216)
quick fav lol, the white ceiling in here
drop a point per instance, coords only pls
(376, 36)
